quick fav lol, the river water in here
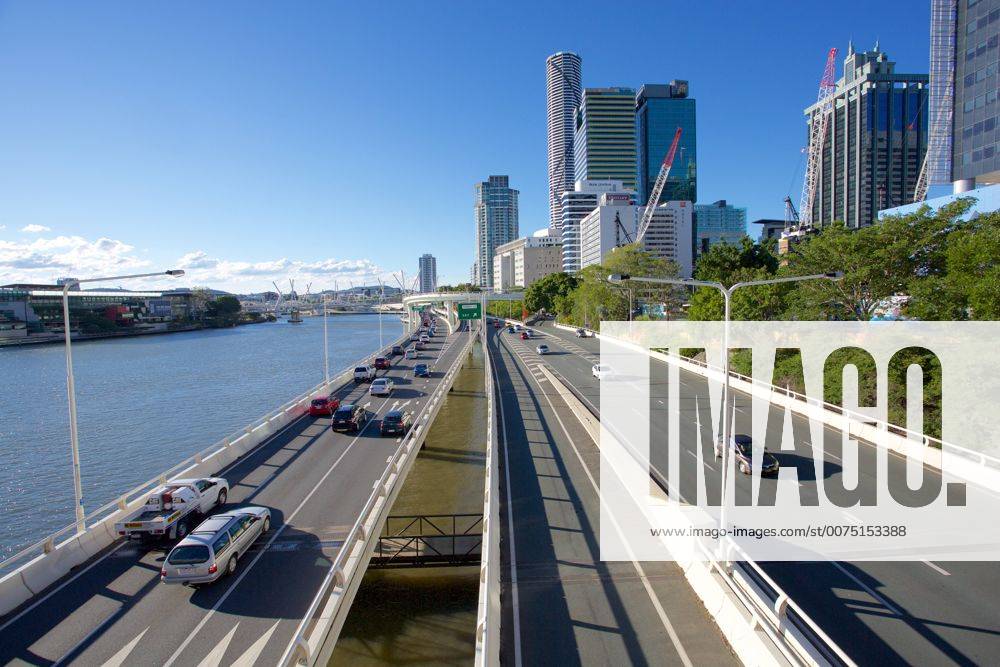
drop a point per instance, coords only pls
(145, 404)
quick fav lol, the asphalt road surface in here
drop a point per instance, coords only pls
(902, 613)
(562, 605)
(114, 610)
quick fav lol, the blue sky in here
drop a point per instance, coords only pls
(329, 141)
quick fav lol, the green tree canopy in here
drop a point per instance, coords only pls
(542, 293)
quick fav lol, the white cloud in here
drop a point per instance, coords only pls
(44, 259)
(35, 229)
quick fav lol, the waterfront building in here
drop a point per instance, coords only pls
(496, 224)
(604, 136)
(575, 205)
(659, 110)
(562, 94)
(521, 262)
(428, 273)
(876, 138)
(718, 222)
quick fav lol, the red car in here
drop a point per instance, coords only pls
(382, 363)
(323, 407)
(496, 324)
(524, 335)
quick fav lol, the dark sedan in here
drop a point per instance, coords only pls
(395, 422)
(422, 371)
(349, 418)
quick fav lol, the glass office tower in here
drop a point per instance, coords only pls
(659, 110)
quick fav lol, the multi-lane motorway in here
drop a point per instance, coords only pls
(902, 613)
(114, 610)
(563, 605)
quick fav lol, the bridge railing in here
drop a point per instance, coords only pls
(320, 627)
(34, 568)
(488, 613)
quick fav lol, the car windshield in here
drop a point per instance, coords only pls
(379, 359)
(360, 369)
(319, 401)
(392, 419)
(187, 554)
(380, 381)
(420, 367)
(345, 412)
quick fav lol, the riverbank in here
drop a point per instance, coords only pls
(53, 339)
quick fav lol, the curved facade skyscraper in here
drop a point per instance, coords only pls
(562, 80)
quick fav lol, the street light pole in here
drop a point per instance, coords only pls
(727, 293)
(326, 345)
(74, 438)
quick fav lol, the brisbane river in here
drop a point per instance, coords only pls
(145, 404)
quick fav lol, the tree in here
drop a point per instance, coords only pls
(729, 264)
(542, 293)
(968, 284)
(224, 310)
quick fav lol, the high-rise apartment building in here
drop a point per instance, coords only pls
(975, 146)
(562, 93)
(659, 110)
(604, 136)
(876, 138)
(718, 222)
(496, 224)
(428, 273)
(575, 205)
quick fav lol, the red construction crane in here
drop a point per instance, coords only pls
(661, 181)
(817, 135)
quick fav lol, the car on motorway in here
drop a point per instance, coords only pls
(411, 353)
(424, 338)
(517, 327)
(171, 509)
(382, 363)
(542, 349)
(349, 417)
(510, 329)
(214, 548)
(323, 406)
(496, 324)
(525, 335)
(742, 448)
(415, 336)
(395, 422)
(419, 345)
(381, 387)
(364, 373)
(421, 371)
(397, 351)
(601, 371)
(581, 333)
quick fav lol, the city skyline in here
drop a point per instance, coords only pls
(227, 158)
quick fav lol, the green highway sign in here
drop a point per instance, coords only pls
(470, 311)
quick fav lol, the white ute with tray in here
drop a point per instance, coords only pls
(172, 509)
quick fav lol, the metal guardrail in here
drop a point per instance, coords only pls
(488, 614)
(441, 539)
(123, 501)
(318, 620)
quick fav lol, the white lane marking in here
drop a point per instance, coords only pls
(277, 533)
(214, 658)
(885, 603)
(84, 571)
(937, 568)
(118, 659)
(660, 611)
(86, 638)
(510, 524)
(252, 653)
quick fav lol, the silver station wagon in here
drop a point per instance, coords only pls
(214, 548)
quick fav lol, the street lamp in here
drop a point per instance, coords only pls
(727, 293)
(326, 345)
(71, 384)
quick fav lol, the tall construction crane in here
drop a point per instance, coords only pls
(277, 304)
(661, 181)
(817, 135)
